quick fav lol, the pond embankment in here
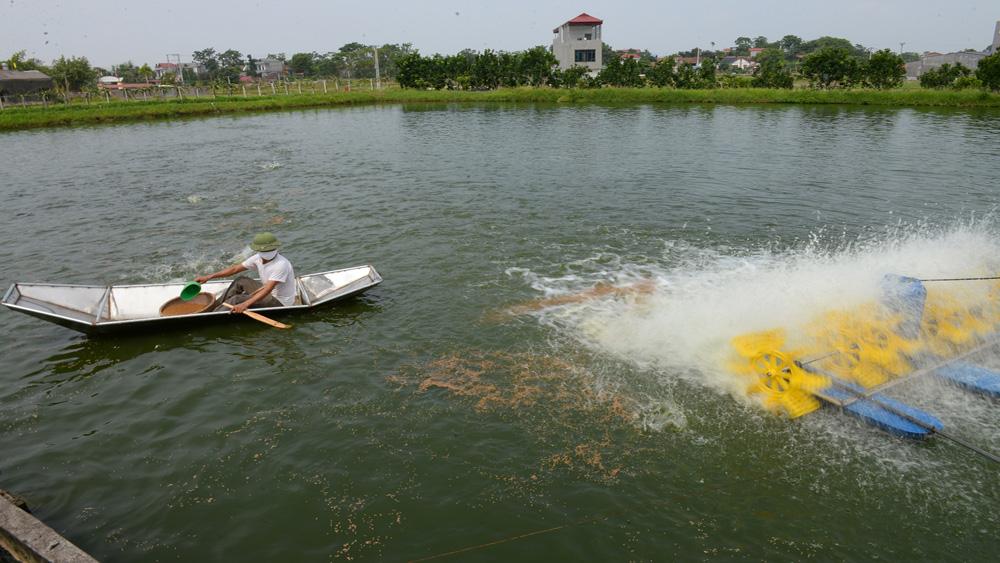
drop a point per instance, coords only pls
(18, 118)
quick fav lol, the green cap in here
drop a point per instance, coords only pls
(264, 242)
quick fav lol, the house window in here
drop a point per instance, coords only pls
(585, 55)
(587, 37)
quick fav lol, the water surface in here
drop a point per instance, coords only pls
(450, 407)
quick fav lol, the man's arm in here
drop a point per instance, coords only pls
(230, 271)
(261, 293)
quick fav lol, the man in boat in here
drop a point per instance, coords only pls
(276, 287)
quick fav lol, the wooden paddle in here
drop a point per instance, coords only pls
(261, 318)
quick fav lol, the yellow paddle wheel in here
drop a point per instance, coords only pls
(866, 346)
(773, 377)
(949, 326)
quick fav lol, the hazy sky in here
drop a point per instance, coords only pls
(111, 31)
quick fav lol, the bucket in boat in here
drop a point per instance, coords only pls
(199, 303)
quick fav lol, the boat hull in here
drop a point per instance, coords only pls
(97, 310)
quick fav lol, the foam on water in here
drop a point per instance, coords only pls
(703, 297)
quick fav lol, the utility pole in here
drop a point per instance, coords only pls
(378, 77)
(901, 43)
(180, 71)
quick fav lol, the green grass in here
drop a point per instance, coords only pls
(17, 118)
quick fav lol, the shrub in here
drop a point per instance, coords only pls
(944, 75)
(988, 71)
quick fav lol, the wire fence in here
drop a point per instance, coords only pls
(155, 92)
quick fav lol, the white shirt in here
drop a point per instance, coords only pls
(279, 270)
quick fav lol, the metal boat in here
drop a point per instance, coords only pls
(94, 309)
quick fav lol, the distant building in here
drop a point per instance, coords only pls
(995, 47)
(271, 69)
(931, 60)
(578, 43)
(693, 61)
(741, 63)
(17, 82)
(754, 51)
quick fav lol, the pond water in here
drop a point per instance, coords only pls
(546, 353)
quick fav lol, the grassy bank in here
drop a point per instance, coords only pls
(16, 118)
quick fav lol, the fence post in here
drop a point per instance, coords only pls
(336, 83)
(324, 86)
(145, 96)
(22, 102)
(299, 84)
(272, 89)
(107, 96)
(286, 88)
(197, 94)
(126, 94)
(244, 90)
(45, 102)
(372, 81)
(1, 103)
(258, 89)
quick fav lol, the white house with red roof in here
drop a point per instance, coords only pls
(578, 43)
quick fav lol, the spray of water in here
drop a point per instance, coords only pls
(702, 298)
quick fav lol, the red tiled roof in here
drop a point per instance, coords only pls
(585, 19)
(582, 19)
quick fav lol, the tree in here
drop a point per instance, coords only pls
(571, 76)
(128, 72)
(73, 73)
(251, 65)
(302, 63)
(207, 59)
(827, 42)
(772, 70)
(662, 74)
(760, 42)
(791, 44)
(607, 53)
(327, 65)
(706, 73)
(988, 71)
(743, 45)
(944, 76)
(686, 77)
(625, 73)
(910, 56)
(145, 72)
(20, 61)
(884, 69)
(230, 66)
(829, 67)
(536, 65)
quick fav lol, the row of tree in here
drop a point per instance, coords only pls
(826, 68)
(479, 71)
(73, 73)
(959, 76)
(831, 66)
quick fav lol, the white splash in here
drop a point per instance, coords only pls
(705, 297)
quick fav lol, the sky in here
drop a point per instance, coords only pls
(109, 32)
